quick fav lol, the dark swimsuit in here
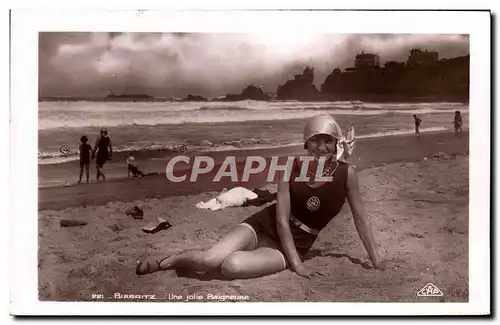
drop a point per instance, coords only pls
(135, 170)
(85, 149)
(102, 151)
(311, 210)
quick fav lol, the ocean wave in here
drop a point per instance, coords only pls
(389, 133)
(225, 117)
(56, 157)
(86, 115)
(320, 108)
(208, 146)
(223, 108)
(401, 132)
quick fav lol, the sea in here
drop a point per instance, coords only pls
(221, 126)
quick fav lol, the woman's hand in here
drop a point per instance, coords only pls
(307, 273)
(379, 263)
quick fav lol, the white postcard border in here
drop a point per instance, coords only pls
(25, 26)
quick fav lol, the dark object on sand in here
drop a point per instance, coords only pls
(116, 227)
(263, 197)
(151, 174)
(72, 223)
(160, 224)
(444, 156)
(135, 212)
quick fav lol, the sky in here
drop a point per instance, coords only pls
(178, 64)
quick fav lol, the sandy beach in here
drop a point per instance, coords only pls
(416, 200)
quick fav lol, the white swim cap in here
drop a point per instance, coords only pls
(322, 124)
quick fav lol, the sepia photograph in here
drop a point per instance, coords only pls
(254, 166)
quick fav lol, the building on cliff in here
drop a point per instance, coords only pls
(424, 75)
(366, 60)
(419, 57)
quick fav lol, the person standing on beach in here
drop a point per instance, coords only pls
(418, 121)
(278, 236)
(457, 123)
(103, 151)
(85, 152)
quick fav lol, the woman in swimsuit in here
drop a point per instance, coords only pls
(279, 236)
(103, 150)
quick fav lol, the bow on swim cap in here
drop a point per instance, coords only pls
(326, 124)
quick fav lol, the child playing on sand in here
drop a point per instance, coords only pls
(418, 121)
(132, 167)
(85, 153)
(279, 236)
(457, 122)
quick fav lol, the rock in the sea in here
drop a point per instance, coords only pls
(251, 92)
(135, 212)
(255, 93)
(72, 223)
(195, 98)
(299, 88)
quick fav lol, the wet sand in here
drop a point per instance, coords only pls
(368, 153)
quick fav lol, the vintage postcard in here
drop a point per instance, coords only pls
(319, 162)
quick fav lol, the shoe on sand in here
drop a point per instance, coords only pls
(72, 223)
(135, 212)
(160, 224)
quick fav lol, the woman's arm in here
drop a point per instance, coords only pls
(283, 224)
(360, 219)
(110, 149)
(96, 145)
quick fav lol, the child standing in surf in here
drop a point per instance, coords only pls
(457, 123)
(279, 236)
(418, 121)
(85, 153)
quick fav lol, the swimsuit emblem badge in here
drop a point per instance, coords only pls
(313, 203)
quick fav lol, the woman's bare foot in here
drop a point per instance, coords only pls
(150, 265)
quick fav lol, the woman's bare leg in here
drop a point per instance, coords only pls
(98, 172)
(102, 173)
(239, 239)
(81, 174)
(259, 262)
